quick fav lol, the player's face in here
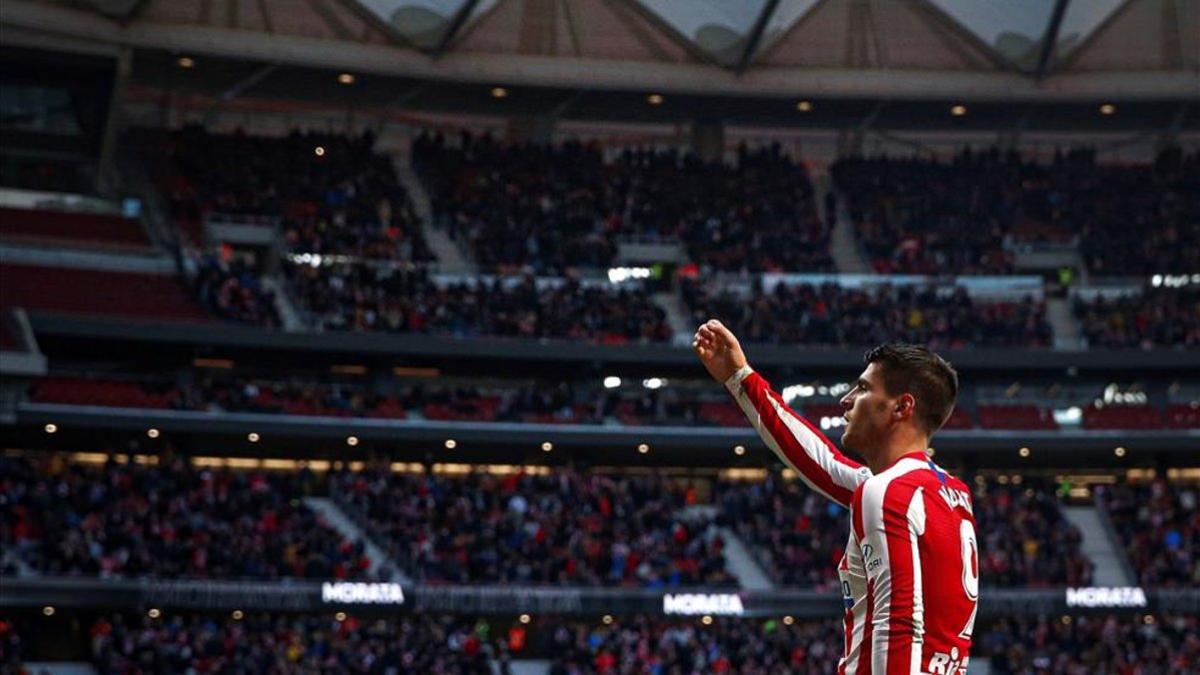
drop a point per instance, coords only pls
(867, 411)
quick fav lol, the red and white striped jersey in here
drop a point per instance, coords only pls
(910, 576)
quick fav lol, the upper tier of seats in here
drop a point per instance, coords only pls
(925, 216)
(554, 207)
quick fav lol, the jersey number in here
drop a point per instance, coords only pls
(970, 573)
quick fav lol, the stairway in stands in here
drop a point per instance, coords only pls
(337, 519)
(1100, 546)
(843, 245)
(449, 254)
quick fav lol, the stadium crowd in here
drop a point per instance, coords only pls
(551, 207)
(831, 315)
(642, 644)
(328, 193)
(797, 536)
(1024, 538)
(366, 298)
(263, 643)
(1158, 317)
(229, 289)
(1164, 644)
(968, 214)
(171, 521)
(565, 528)
(1159, 524)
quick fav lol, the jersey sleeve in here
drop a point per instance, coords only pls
(794, 440)
(893, 517)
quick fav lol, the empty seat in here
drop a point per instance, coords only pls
(97, 293)
(80, 228)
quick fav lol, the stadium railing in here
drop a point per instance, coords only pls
(393, 598)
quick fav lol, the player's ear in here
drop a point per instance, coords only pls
(905, 406)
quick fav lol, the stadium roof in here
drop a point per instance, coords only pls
(1038, 50)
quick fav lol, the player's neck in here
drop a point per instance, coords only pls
(896, 448)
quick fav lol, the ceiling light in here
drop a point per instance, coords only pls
(352, 441)
(252, 437)
(319, 151)
(706, 620)
(48, 610)
(612, 382)
(451, 444)
(346, 78)
(739, 450)
(340, 616)
(186, 62)
(153, 613)
(608, 619)
(1108, 109)
(152, 433)
(51, 428)
(547, 446)
(643, 448)
(237, 615)
(1119, 451)
(654, 99)
(804, 106)
(789, 620)
(958, 110)
(524, 618)
(499, 92)
(1024, 452)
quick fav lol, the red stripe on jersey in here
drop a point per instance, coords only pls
(864, 650)
(900, 557)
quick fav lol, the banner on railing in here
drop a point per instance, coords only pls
(389, 598)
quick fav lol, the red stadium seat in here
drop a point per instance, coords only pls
(1183, 416)
(94, 292)
(108, 393)
(89, 229)
(1122, 417)
(1015, 417)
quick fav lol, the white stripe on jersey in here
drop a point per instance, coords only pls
(814, 446)
(916, 519)
(874, 492)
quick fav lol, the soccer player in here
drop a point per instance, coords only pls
(910, 575)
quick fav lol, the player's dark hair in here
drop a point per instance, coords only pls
(916, 370)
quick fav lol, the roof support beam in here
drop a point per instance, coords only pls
(44, 21)
(1050, 38)
(755, 36)
(249, 81)
(456, 24)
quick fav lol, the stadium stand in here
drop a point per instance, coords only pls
(1164, 643)
(551, 208)
(97, 293)
(564, 528)
(797, 536)
(1024, 538)
(963, 216)
(438, 645)
(831, 315)
(172, 521)
(1159, 524)
(329, 193)
(71, 229)
(362, 298)
(1157, 317)
(642, 644)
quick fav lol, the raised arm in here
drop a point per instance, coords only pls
(791, 437)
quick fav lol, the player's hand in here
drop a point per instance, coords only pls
(718, 350)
